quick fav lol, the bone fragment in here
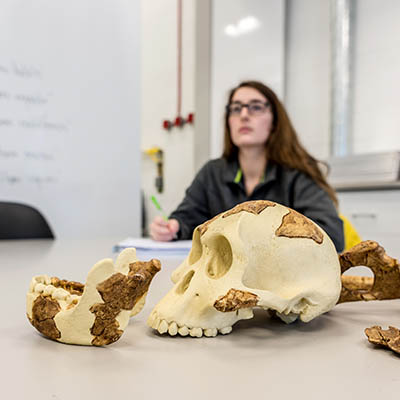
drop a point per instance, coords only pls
(389, 338)
(95, 314)
(43, 311)
(295, 225)
(235, 300)
(120, 292)
(385, 285)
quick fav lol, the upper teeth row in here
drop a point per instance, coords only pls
(162, 326)
(42, 285)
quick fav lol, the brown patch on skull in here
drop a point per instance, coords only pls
(386, 282)
(296, 225)
(43, 312)
(120, 292)
(253, 207)
(70, 286)
(389, 338)
(235, 300)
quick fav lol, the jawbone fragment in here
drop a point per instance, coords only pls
(385, 284)
(388, 338)
(95, 313)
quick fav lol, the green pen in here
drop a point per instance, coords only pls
(159, 208)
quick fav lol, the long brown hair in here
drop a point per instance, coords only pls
(282, 146)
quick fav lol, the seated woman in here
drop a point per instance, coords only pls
(262, 160)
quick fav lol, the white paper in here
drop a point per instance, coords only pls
(145, 244)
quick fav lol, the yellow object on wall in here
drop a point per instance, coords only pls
(157, 155)
(351, 236)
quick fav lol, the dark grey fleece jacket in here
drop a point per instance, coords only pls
(214, 190)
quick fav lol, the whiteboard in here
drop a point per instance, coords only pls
(69, 113)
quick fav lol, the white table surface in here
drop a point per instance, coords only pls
(328, 358)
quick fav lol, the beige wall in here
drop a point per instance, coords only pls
(159, 99)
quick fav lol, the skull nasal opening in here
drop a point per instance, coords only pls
(184, 284)
(221, 257)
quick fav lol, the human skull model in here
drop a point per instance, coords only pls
(96, 313)
(258, 254)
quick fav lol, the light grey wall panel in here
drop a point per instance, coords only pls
(247, 44)
(375, 215)
(376, 76)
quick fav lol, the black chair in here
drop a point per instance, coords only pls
(20, 221)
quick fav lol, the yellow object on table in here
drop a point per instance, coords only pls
(351, 236)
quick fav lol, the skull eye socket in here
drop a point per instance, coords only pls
(184, 284)
(221, 259)
(196, 250)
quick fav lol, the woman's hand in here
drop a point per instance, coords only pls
(162, 230)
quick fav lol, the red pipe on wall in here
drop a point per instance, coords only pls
(179, 60)
(179, 121)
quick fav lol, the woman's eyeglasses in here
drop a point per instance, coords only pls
(254, 108)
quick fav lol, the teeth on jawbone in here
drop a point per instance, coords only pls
(41, 285)
(225, 330)
(42, 279)
(163, 327)
(49, 290)
(183, 331)
(196, 332)
(60, 294)
(211, 332)
(173, 329)
(39, 288)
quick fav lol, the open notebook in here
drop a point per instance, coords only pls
(179, 247)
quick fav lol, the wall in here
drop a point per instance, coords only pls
(376, 124)
(299, 71)
(375, 214)
(212, 63)
(307, 94)
(159, 99)
(376, 62)
(247, 43)
(376, 76)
